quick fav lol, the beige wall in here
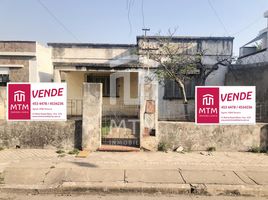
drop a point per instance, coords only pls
(88, 54)
(75, 81)
(199, 138)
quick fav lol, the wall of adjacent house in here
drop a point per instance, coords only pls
(11, 50)
(260, 57)
(250, 75)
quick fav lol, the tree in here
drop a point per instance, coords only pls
(180, 62)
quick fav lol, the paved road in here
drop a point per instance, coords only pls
(119, 197)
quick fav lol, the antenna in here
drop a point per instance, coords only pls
(145, 31)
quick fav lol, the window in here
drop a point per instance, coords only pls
(105, 80)
(172, 90)
(4, 79)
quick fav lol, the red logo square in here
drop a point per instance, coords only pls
(207, 105)
(19, 101)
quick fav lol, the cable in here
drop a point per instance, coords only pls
(142, 14)
(57, 20)
(248, 26)
(128, 16)
(218, 17)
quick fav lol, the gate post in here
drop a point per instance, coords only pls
(92, 113)
(149, 116)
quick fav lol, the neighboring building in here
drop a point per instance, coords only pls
(24, 61)
(256, 50)
(251, 69)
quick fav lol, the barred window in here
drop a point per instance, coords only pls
(4, 79)
(172, 90)
(105, 80)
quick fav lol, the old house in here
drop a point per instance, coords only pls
(110, 99)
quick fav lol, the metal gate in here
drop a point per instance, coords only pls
(120, 124)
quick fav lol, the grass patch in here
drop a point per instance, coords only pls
(60, 151)
(105, 128)
(211, 149)
(74, 152)
(1, 178)
(163, 146)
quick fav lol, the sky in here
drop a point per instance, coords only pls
(120, 21)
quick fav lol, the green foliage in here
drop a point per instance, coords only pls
(60, 151)
(105, 128)
(74, 152)
(163, 146)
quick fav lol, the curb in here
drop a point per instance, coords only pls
(119, 187)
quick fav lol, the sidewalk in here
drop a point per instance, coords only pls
(219, 173)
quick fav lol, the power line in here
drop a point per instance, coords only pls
(129, 4)
(142, 14)
(248, 26)
(218, 17)
(57, 20)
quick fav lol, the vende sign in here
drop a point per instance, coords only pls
(225, 105)
(36, 101)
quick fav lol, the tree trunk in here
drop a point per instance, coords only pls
(181, 86)
(184, 95)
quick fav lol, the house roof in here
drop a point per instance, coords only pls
(92, 45)
(187, 37)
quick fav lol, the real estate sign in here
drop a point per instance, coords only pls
(225, 105)
(36, 101)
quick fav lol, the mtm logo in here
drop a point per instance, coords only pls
(19, 101)
(207, 105)
(208, 100)
(19, 96)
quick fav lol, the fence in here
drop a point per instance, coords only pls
(178, 113)
(74, 107)
(262, 111)
(120, 124)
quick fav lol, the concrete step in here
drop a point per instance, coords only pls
(117, 148)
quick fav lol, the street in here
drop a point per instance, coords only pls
(120, 197)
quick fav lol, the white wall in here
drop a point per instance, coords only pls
(44, 63)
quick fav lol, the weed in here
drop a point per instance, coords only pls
(163, 146)
(60, 151)
(211, 149)
(74, 152)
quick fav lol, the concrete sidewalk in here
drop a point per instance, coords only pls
(218, 173)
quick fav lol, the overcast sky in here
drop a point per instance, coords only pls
(120, 21)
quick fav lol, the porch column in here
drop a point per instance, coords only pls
(149, 116)
(56, 76)
(91, 120)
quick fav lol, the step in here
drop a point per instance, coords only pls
(117, 148)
